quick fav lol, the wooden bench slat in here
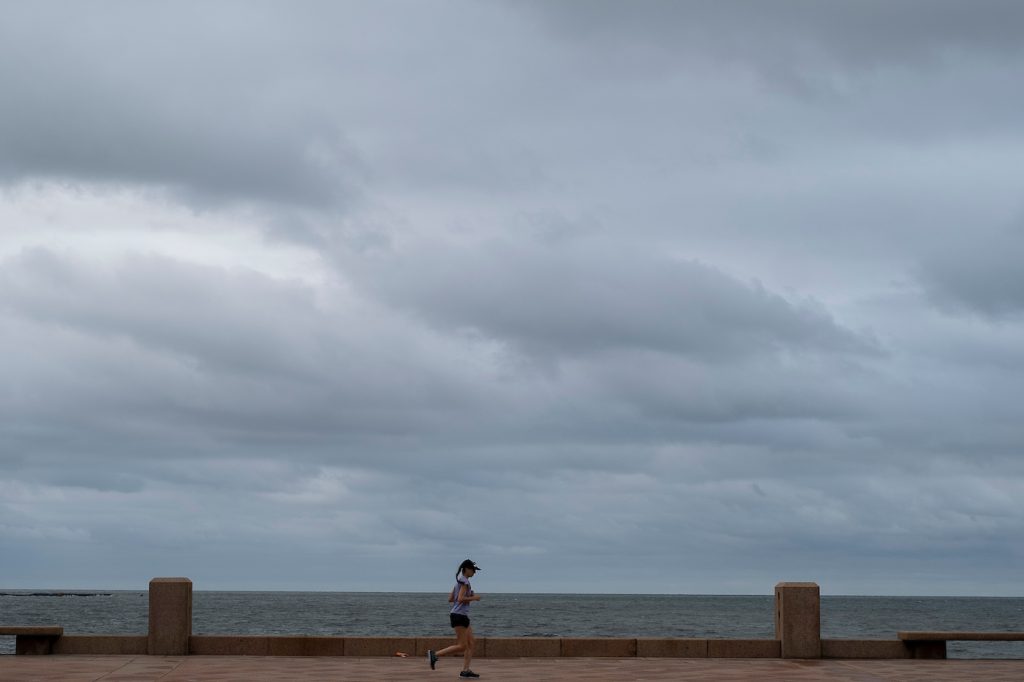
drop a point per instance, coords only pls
(54, 630)
(962, 636)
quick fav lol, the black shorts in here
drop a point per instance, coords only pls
(458, 620)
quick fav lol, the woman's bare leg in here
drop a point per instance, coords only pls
(462, 636)
(470, 642)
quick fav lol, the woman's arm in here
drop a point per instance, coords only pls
(464, 596)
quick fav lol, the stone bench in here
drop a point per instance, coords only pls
(33, 639)
(933, 644)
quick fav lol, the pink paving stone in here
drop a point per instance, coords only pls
(307, 669)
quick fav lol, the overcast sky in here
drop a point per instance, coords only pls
(612, 296)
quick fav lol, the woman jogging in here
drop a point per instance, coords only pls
(460, 598)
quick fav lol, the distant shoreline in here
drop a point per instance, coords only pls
(55, 594)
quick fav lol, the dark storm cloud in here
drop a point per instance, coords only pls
(122, 92)
(983, 276)
(573, 299)
(817, 74)
(147, 358)
(867, 33)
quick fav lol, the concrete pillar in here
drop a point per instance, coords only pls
(798, 619)
(170, 616)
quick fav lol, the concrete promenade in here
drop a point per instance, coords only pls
(308, 669)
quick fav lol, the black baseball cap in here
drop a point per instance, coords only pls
(468, 563)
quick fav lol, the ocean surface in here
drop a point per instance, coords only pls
(520, 615)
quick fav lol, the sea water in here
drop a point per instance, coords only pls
(521, 615)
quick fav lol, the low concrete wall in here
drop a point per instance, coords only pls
(587, 647)
(668, 647)
(436, 643)
(102, 644)
(744, 648)
(229, 645)
(522, 647)
(515, 647)
(305, 646)
(486, 647)
(379, 646)
(864, 648)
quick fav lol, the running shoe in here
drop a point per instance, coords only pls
(431, 658)
(468, 674)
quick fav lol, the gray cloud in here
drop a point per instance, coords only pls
(129, 93)
(865, 34)
(983, 276)
(724, 289)
(221, 321)
(593, 297)
(181, 347)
